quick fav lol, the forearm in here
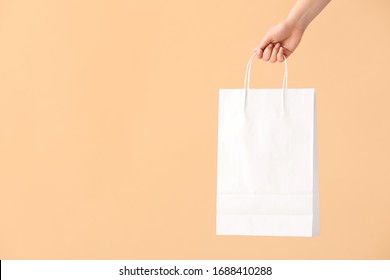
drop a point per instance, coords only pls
(304, 11)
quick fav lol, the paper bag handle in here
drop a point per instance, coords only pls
(248, 77)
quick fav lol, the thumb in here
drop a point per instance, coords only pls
(259, 50)
(265, 42)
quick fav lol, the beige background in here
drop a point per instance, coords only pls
(108, 126)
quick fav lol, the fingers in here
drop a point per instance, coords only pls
(274, 53)
(280, 55)
(267, 52)
(271, 53)
(259, 52)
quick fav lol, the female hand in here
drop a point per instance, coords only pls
(280, 40)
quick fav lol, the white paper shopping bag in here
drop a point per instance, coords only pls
(267, 175)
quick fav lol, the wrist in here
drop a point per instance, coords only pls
(297, 23)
